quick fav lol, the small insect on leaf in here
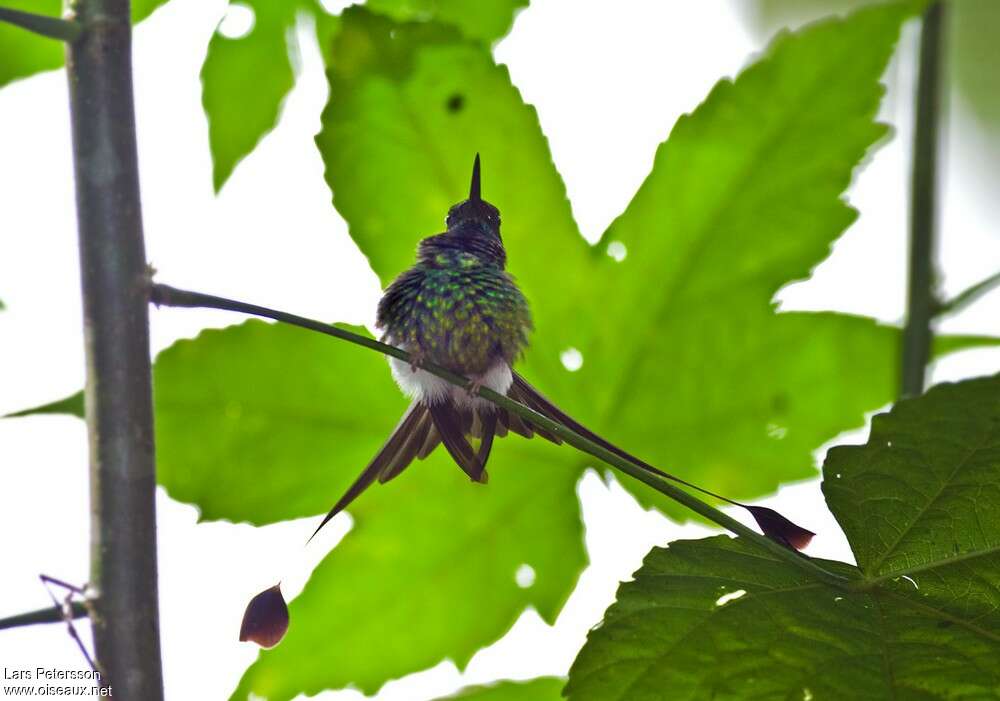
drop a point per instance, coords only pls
(777, 527)
(266, 618)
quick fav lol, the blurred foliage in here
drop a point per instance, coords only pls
(920, 503)
(971, 62)
(973, 59)
(23, 54)
(542, 689)
(245, 79)
(485, 20)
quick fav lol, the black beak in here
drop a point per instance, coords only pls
(474, 187)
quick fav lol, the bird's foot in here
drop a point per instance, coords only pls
(473, 387)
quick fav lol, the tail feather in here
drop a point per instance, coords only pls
(409, 449)
(772, 524)
(423, 427)
(385, 458)
(451, 424)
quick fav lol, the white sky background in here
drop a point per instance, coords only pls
(273, 237)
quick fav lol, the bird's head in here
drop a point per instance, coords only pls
(474, 215)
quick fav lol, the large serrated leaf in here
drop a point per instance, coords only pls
(920, 503)
(923, 494)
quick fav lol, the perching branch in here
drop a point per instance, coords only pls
(920, 306)
(53, 614)
(968, 296)
(118, 396)
(53, 27)
(172, 297)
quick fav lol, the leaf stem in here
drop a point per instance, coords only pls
(920, 307)
(52, 614)
(968, 295)
(173, 297)
(53, 27)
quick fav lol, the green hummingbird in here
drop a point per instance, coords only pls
(459, 308)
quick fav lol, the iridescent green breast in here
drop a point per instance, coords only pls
(458, 311)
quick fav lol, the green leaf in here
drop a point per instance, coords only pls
(263, 422)
(428, 571)
(23, 54)
(244, 81)
(541, 689)
(682, 332)
(410, 105)
(744, 197)
(923, 495)
(720, 619)
(486, 20)
(920, 505)
(253, 421)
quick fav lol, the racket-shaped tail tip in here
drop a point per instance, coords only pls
(778, 528)
(266, 618)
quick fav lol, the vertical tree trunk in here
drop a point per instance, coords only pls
(917, 333)
(116, 331)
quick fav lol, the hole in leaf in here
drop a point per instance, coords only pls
(731, 596)
(617, 250)
(776, 432)
(238, 22)
(572, 359)
(455, 103)
(525, 576)
(335, 7)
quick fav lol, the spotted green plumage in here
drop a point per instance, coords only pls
(457, 306)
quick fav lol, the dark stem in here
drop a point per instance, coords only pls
(53, 614)
(173, 297)
(920, 309)
(119, 413)
(52, 27)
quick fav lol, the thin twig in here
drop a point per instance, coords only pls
(54, 614)
(968, 296)
(66, 609)
(52, 27)
(917, 334)
(173, 297)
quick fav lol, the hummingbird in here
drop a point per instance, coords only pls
(459, 308)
